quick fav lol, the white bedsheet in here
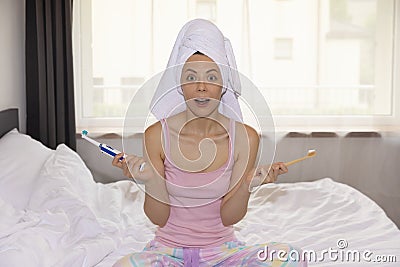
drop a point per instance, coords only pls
(73, 221)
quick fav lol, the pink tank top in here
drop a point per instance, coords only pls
(195, 219)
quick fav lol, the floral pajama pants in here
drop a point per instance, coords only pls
(233, 253)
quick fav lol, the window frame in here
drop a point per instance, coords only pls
(307, 123)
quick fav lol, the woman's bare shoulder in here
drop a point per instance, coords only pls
(245, 131)
(153, 130)
(152, 135)
(246, 139)
(153, 140)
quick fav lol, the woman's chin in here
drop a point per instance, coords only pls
(203, 112)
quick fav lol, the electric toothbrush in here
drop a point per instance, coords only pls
(108, 150)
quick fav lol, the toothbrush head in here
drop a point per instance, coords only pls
(311, 153)
(84, 133)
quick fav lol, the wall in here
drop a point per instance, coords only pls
(370, 164)
(12, 63)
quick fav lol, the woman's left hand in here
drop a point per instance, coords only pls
(266, 174)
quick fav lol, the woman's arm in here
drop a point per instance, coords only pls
(156, 202)
(156, 199)
(234, 203)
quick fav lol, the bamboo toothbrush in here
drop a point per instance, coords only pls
(311, 153)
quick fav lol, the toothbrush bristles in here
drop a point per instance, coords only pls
(311, 152)
(84, 132)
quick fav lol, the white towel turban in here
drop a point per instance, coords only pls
(203, 36)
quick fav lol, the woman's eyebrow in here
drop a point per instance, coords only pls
(191, 70)
(211, 70)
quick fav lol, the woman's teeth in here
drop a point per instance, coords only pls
(202, 100)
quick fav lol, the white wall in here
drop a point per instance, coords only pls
(12, 57)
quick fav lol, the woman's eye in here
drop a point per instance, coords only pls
(190, 78)
(212, 78)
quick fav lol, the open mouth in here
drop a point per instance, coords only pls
(201, 101)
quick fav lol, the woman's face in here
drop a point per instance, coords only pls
(201, 83)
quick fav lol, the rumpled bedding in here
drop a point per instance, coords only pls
(72, 221)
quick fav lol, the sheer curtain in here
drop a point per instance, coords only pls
(308, 59)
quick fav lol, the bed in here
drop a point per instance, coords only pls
(53, 213)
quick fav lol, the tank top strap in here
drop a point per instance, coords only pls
(232, 133)
(165, 130)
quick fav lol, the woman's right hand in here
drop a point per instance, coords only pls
(130, 166)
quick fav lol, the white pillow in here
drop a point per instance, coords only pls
(21, 159)
(63, 183)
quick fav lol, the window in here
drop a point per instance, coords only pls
(283, 48)
(207, 9)
(316, 62)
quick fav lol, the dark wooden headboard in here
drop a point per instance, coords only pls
(8, 120)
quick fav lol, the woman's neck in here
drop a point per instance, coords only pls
(203, 126)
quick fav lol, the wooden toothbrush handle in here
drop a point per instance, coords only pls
(296, 160)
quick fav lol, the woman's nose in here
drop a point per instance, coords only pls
(201, 86)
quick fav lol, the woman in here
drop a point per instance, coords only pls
(199, 159)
